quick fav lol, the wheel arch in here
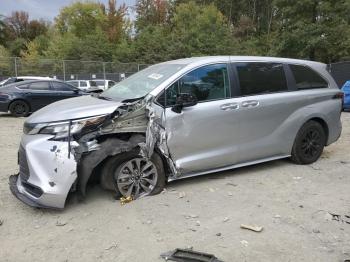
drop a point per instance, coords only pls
(111, 145)
(323, 123)
(22, 100)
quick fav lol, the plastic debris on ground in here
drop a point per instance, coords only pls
(252, 227)
(125, 200)
(188, 255)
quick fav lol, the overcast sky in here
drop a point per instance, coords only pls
(46, 9)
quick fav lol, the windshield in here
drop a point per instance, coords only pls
(6, 82)
(143, 82)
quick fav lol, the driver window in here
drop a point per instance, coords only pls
(206, 83)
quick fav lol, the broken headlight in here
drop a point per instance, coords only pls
(61, 129)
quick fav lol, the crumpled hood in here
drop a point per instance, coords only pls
(73, 108)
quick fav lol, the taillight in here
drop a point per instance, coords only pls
(339, 95)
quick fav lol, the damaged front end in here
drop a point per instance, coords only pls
(62, 156)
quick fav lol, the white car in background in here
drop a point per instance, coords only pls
(104, 84)
(83, 84)
(16, 79)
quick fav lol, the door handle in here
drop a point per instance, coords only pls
(251, 103)
(229, 106)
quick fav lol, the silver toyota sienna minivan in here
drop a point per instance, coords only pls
(178, 119)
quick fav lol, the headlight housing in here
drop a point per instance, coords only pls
(60, 130)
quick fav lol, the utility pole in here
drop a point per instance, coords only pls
(16, 72)
(104, 70)
(64, 70)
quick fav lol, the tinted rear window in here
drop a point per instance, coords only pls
(260, 78)
(23, 86)
(39, 86)
(58, 86)
(306, 78)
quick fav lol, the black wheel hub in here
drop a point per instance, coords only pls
(19, 108)
(311, 143)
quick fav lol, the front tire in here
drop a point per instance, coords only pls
(309, 143)
(19, 108)
(136, 176)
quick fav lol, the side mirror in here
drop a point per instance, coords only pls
(184, 100)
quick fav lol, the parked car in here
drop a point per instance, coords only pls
(22, 98)
(346, 90)
(83, 84)
(104, 84)
(16, 79)
(178, 119)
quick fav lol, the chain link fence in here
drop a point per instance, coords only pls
(340, 72)
(67, 69)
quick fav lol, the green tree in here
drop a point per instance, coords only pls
(316, 30)
(117, 25)
(202, 30)
(81, 18)
(152, 12)
(6, 62)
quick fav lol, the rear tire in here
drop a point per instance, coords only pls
(19, 108)
(309, 143)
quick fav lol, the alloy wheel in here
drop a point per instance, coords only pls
(136, 177)
(311, 143)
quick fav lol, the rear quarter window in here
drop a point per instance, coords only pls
(23, 86)
(306, 78)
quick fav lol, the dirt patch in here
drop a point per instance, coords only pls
(290, 202)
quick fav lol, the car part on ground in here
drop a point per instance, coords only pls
(180, 119)
(188, 255)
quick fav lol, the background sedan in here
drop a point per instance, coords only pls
(25, 97)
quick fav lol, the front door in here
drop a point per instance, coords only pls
(202, 137)
(62, 90)
(39, 94)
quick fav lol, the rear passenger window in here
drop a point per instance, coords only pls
(39, 86)
(306, 78)
(260, 78)
(23, 86)
(206, 83)
(83, 84)
(58, 86)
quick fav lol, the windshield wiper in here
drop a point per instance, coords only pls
(130, 100)
(104, 98)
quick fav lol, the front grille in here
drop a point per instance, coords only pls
(23, 164)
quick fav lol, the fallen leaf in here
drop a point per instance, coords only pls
(125, 200)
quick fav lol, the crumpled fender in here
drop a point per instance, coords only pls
(109, 147)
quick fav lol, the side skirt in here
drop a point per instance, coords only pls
(228, 167)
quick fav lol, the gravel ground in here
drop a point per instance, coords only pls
(291, 202)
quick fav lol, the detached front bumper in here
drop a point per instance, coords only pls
(46, 173)
(16, 183)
